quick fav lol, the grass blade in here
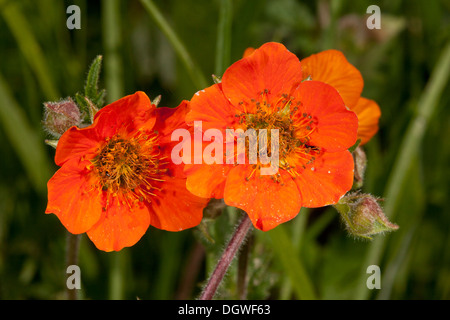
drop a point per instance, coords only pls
(223, 45)
(24, 139)
(112, 42)
(408, 151)
(288, 257)
(29, 46)
(193, 70)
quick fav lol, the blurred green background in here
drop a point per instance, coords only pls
(405, 66)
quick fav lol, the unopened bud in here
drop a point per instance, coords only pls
(363, 216)
(214, 208)
(360, 159)
(60, 116)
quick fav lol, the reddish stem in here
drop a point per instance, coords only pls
(225, 261)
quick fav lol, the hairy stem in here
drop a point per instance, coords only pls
(242, 269)
(226, 259)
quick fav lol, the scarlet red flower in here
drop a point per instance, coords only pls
(332, 67)
(116, 177)
(265, 91)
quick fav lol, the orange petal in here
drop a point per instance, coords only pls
(270, 67)
(130, 113)
(327, 180)
(332, 67)
(72, 199)
(167, 121)
(336, 127)
(75, 143)
(212, 108)
(119, 226)
(368, 113)
(170, 119)
(207, 181)
(248, 52)
(266, 202)
(174, 208)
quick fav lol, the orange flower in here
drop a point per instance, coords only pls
(265, 91)
(116, 177)
(332, 67)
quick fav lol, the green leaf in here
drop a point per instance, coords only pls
(291, 264)
(353, 148)
(91, 88)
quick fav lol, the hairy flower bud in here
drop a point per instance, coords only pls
(363, 216)
(60, 116)
(360, 159)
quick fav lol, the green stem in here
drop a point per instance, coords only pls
(223, 44)
(407, 152)
(72, 250)
(112, 41)
(117, 281)
(193, 70)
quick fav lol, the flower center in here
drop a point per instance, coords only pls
(294, 130)
(129, 167)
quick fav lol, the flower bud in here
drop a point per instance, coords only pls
(360, 160)
(60, 116)
(214, 208)
(363, 216)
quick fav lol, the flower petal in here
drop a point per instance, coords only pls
(270, 67)
(120, 226)
(72, 199)
(170, 119)
(167, 121)
(267, 203)
(327, 180)
(76, 143)
(332, 67)
(128, 113)
(212, 108)
(248, 52)
(174, 208)
(368, 113)
(207, 181)
(336, 126)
